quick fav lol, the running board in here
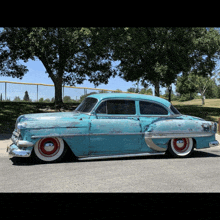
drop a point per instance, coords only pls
(119, 156)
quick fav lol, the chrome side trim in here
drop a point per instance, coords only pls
(177, 135)
(95, 134)
(119, 156)
(153, 146)
(147, 134)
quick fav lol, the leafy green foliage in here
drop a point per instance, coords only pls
(68, 54)
(17, 99)
(158, 55)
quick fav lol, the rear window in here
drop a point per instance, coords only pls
(174, 110)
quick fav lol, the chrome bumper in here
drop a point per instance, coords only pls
(14, 151)
(213, 144)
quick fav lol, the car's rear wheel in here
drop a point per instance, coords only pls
(50, 149)
(181, 147)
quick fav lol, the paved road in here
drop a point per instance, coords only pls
(200, 173)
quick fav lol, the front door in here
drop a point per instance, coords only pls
(116, 129)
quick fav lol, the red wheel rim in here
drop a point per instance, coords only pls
(44, 150)
(184, 146)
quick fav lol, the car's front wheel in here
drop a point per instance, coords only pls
(50, 149)
(181, 147)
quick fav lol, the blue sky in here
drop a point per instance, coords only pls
(37, 74)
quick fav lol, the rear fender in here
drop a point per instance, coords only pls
(180, 128)
(158, 134)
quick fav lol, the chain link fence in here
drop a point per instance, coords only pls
(37, 92)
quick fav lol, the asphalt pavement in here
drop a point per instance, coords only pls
(199, 173)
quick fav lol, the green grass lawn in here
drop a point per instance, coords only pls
(210, 111)
(9, 111)
(198, 102)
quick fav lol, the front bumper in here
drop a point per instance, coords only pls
(213, 144)
(14, 151)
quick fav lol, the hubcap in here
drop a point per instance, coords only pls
(49, 147)
(181, 145)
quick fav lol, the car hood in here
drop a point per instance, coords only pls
(52, 120)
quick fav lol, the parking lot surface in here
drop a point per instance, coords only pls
(199, 173)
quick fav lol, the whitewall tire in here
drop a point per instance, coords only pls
(50, 149)
(181, 147)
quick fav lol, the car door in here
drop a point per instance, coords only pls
(115, 129)
(151, 112)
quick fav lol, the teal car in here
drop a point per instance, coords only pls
(111, 125)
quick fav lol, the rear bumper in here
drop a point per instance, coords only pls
(14, 151)
(213, 144)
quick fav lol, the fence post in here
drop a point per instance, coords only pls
(5, 90)
(37, 93)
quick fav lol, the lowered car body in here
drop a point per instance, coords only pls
(110, 125)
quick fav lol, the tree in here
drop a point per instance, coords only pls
(26, 96)
(133, 90)
(41, 100)
(185, 86)
(47, 100)
(194, 83)
(52, 100)
(67, 99)
(146, 91)
(68, 54)
(158, 55)
(17, 99)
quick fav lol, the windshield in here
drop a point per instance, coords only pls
(87, 105)
(174, 110)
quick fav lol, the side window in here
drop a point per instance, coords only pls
(117, 107)
(102, 109)
(148, 108)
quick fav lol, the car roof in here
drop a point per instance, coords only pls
(101, 96)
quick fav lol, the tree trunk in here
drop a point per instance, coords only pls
(203, 100)
(157, 89)
(170, 90)
(58, 92)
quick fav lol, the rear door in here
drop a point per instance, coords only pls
(151, 112)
